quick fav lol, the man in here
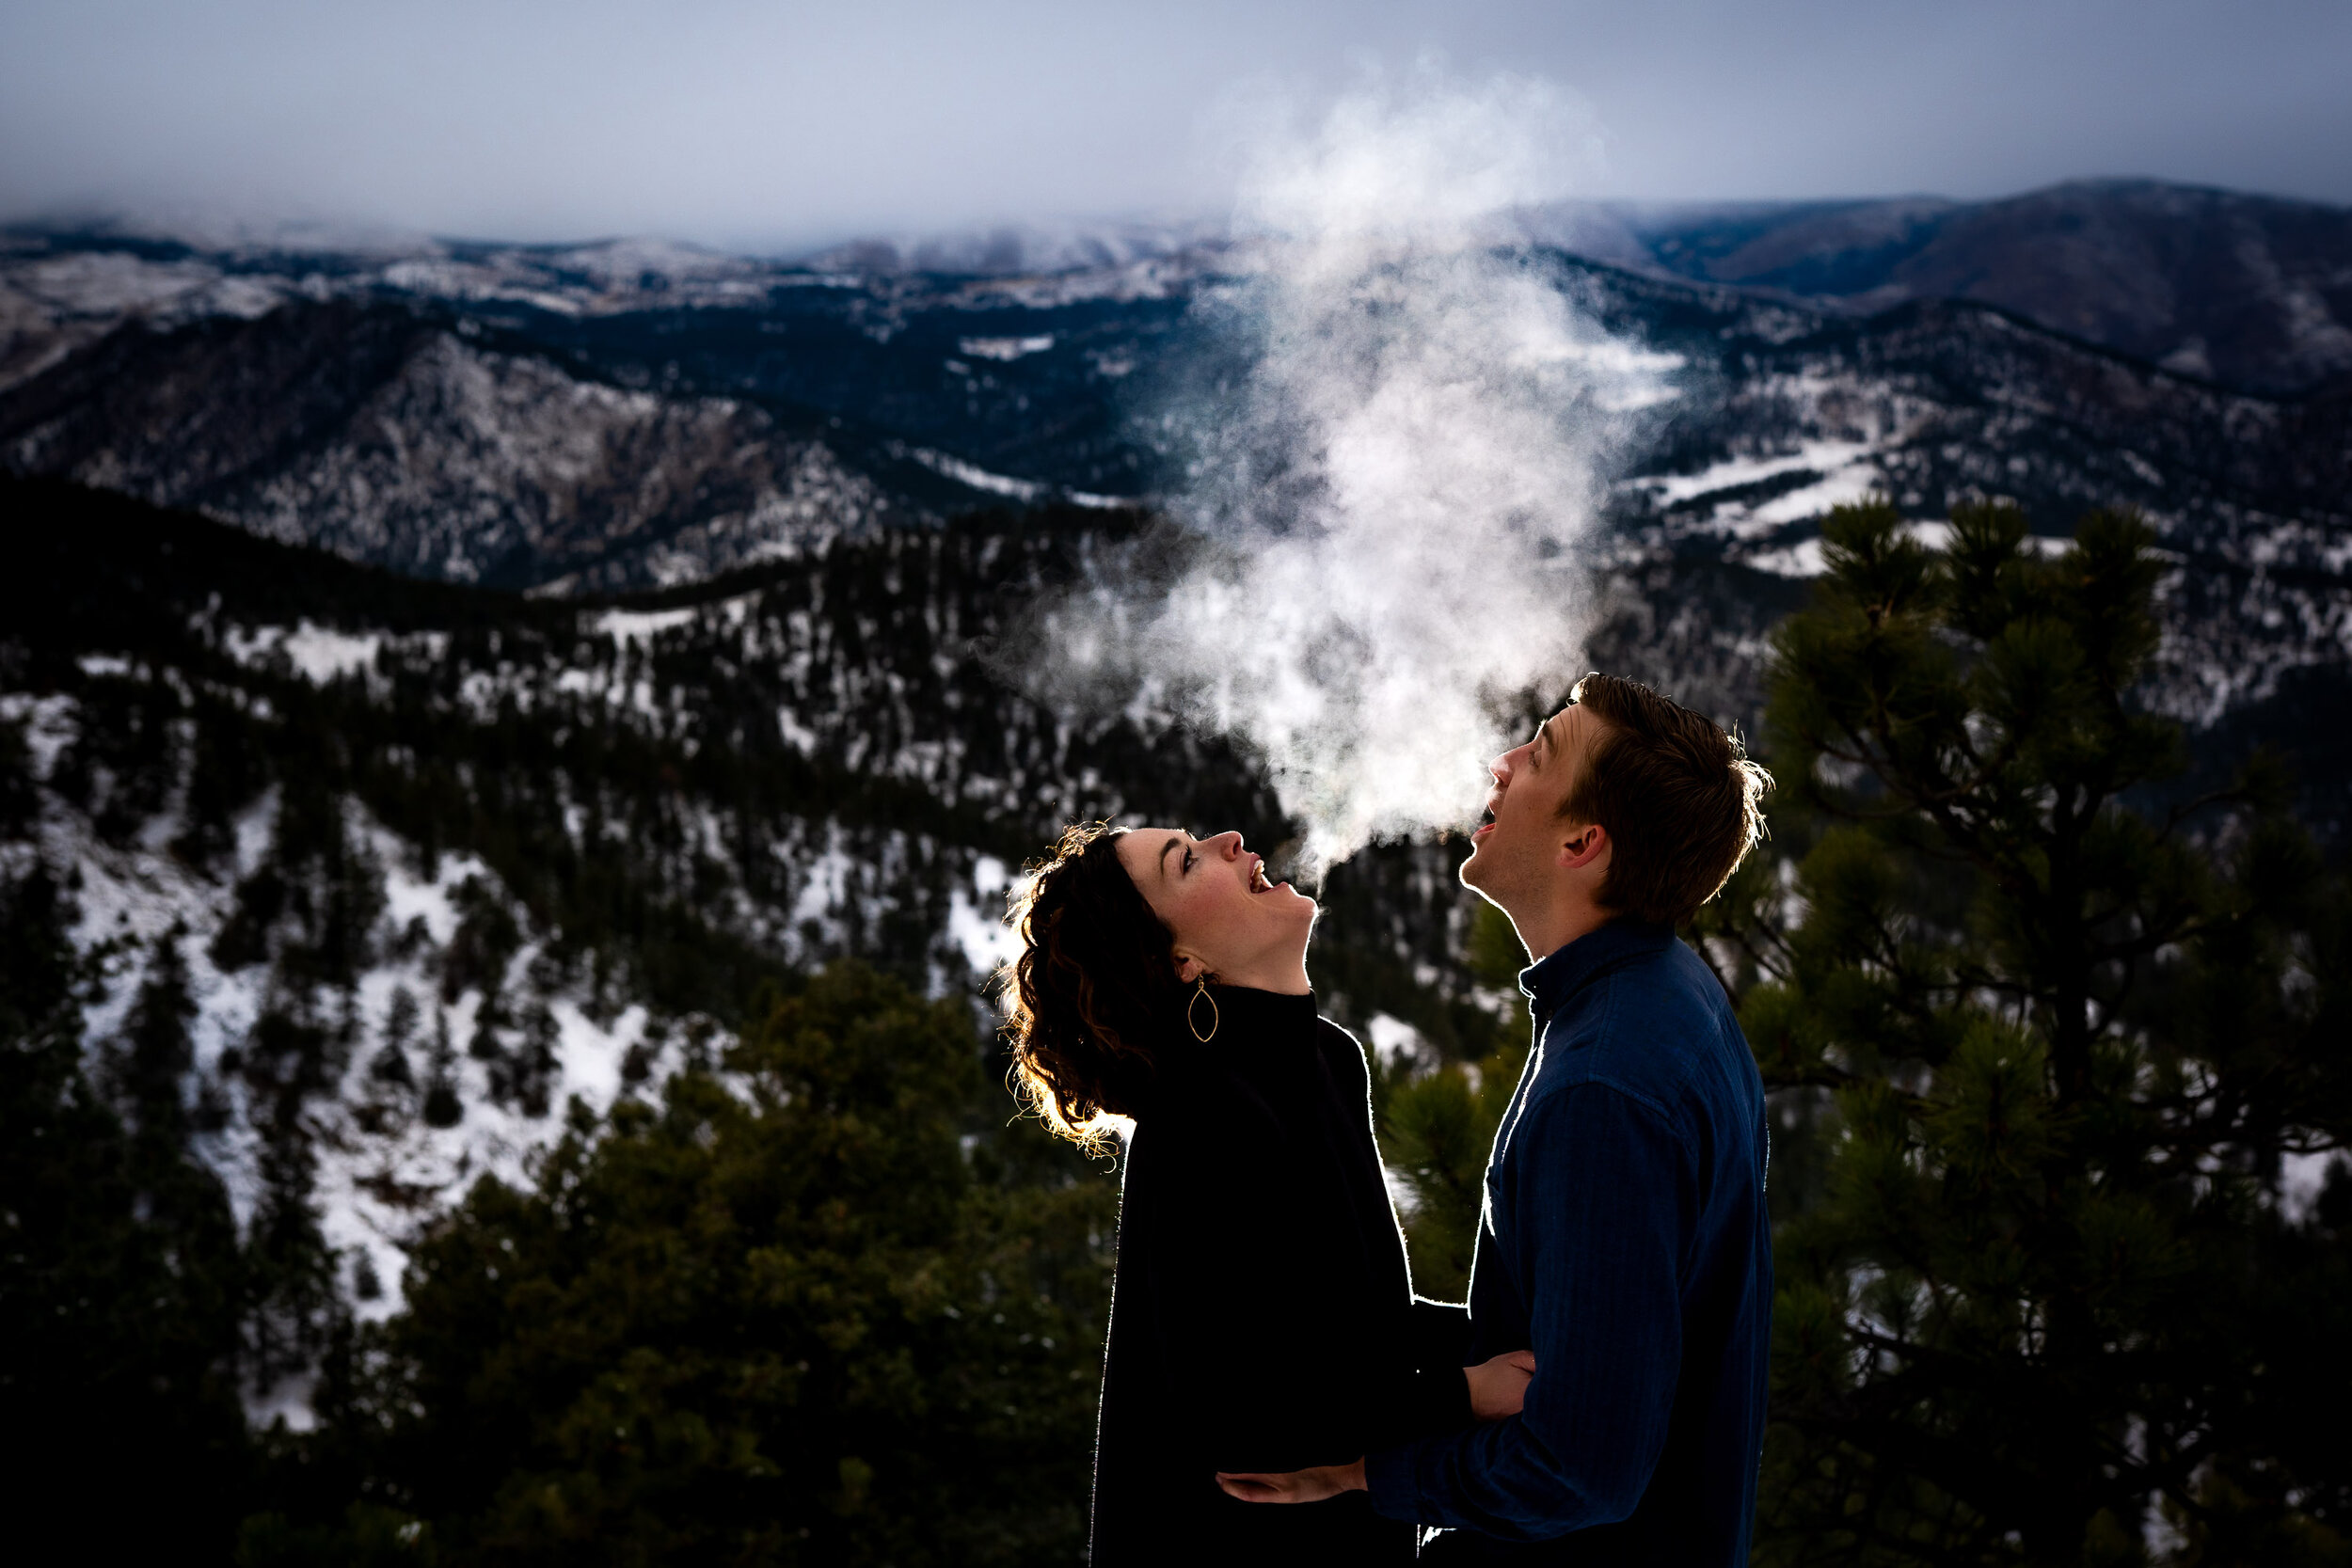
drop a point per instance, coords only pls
(1624, 1236)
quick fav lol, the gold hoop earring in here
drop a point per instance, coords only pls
(1198, 997)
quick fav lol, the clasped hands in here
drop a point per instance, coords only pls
(1497, 1388)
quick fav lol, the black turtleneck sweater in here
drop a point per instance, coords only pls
(1263, 1316)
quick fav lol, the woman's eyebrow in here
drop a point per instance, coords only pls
(1164, 849)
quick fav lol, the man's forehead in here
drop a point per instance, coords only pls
(1568, 734)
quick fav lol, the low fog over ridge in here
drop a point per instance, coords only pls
(775, 130)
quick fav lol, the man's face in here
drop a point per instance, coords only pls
(1514, 854)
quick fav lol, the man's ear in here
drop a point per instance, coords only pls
(1589, 845)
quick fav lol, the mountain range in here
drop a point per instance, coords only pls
(633, 415)
(562, 637)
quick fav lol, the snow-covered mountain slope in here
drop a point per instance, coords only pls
(1935, 403)
(628, 416)
(413, 1092)
(408, 443)
(422, 863)
(417, 865)
(465, 417)
(638, 446)
(2250, 291)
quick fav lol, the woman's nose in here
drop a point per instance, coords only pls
(1227, 843)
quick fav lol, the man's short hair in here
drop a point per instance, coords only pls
(1678, 795)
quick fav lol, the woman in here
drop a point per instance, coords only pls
(1263, 1315)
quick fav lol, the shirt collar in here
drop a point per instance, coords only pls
(1550, 982)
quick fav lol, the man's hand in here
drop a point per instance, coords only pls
(1295, 1486)
(1498, 1387)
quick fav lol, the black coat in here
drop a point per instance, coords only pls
(1263, 1316)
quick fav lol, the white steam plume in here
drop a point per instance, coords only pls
(1399, 476)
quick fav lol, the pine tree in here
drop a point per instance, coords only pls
(2046, 1045)
(1437, 1127)
(119, 1270)
(828, 1307)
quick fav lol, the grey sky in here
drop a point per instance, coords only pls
(774, 125)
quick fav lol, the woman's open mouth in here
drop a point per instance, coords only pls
(1258, 882)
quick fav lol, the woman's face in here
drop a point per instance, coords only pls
(1214, 894)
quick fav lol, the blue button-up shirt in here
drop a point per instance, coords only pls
(1625, 1240)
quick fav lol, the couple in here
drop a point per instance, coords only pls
(1273, 1390)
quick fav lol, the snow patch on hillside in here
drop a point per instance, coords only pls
(1005, 349)
(825, 881)
(2303, 1178)
(379, 1168)
(322, 654)
(317, 654)
(640, 626)
(48, 726)
(1398, 1047)
(976, 918)
(979, 478)
(409, 899)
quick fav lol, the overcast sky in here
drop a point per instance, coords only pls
(774, 125)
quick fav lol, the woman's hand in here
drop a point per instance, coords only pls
(1498, 1387)
(1295, 1486)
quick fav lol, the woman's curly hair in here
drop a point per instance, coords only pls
(1092, 991)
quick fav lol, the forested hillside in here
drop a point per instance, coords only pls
(329, 892)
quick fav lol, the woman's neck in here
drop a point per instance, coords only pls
(1283, 978)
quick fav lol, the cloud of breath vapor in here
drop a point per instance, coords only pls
(1400, 466)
